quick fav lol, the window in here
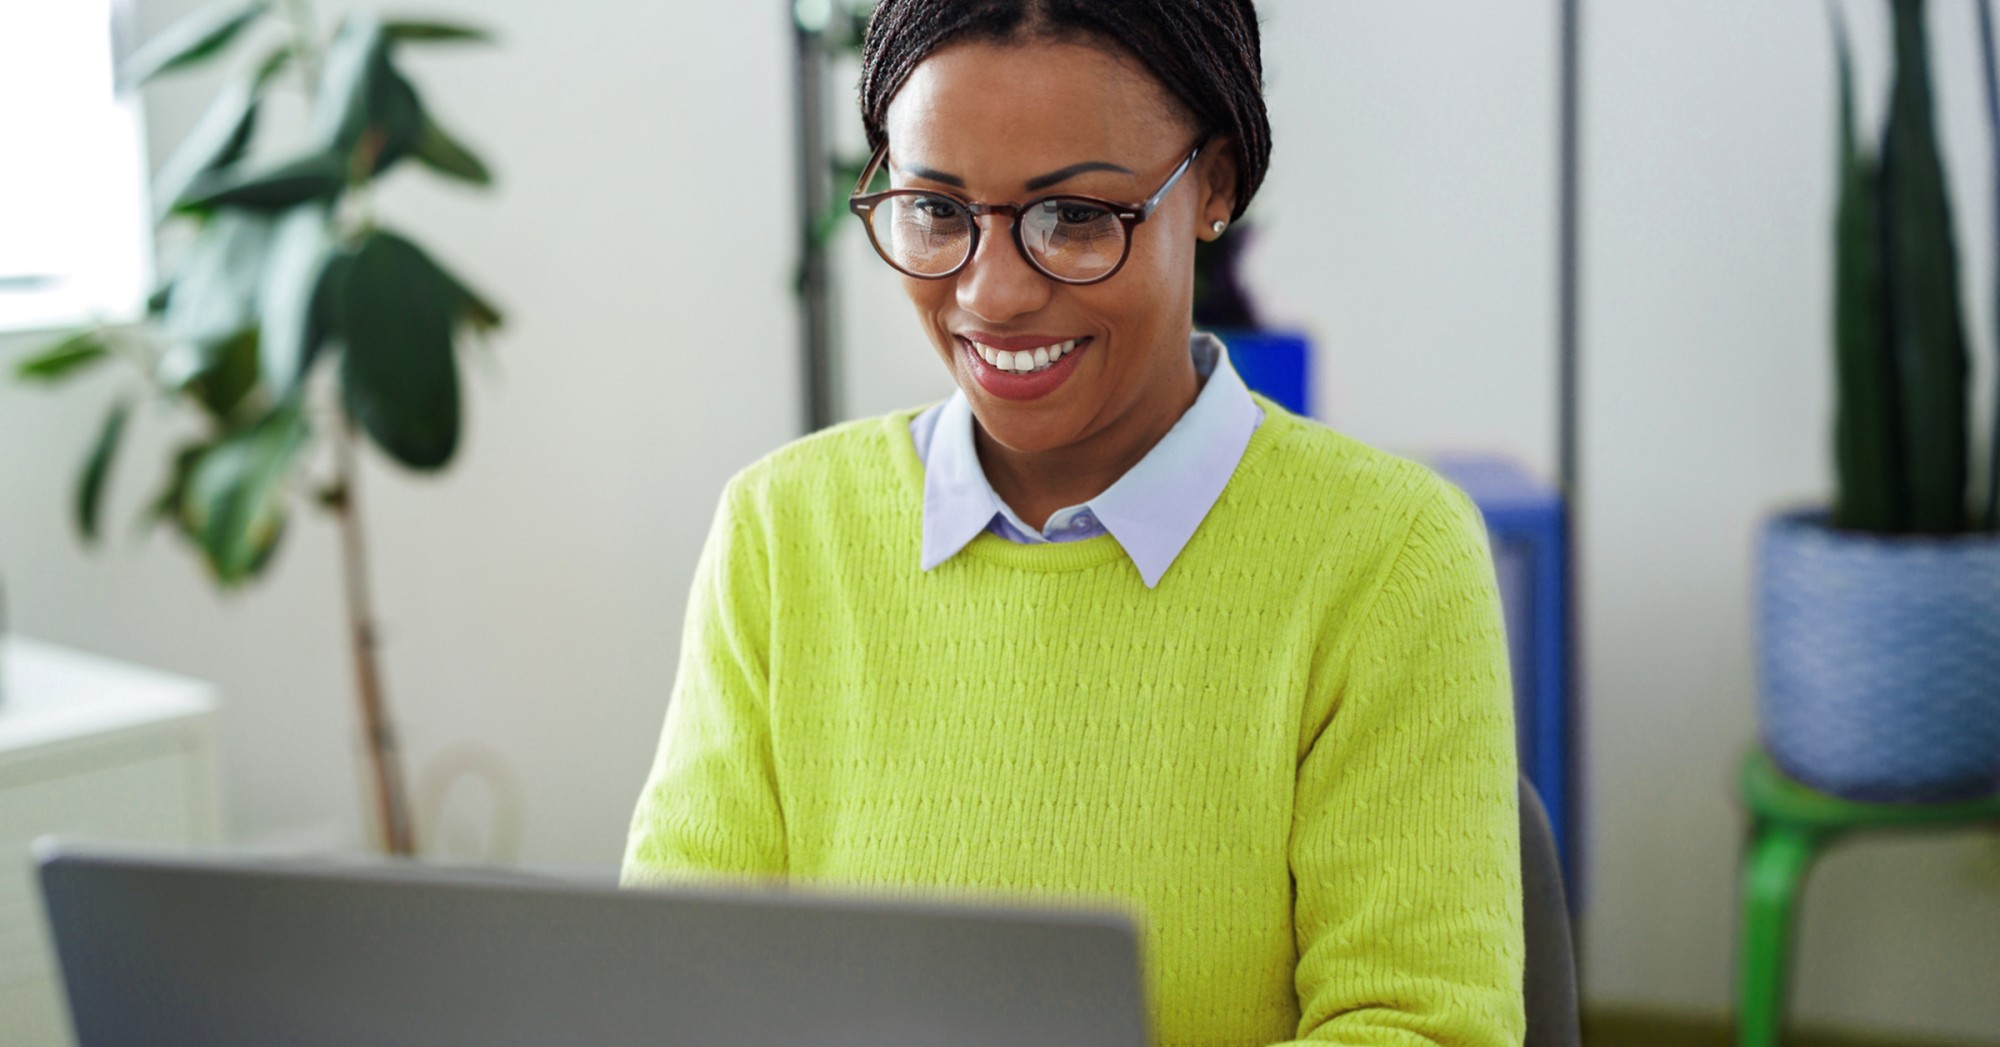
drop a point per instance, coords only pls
(75, 238)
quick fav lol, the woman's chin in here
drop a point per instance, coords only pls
(1023, 429)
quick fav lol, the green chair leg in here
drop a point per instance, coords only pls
(1773, 871)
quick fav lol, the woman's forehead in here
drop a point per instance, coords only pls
(1013, 111)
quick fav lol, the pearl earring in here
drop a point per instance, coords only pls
(1219, 226)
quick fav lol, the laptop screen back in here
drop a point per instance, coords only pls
(216, 953)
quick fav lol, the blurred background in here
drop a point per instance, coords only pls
(641, 235)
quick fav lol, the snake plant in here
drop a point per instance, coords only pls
(1902, 426)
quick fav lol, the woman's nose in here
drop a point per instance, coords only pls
(997, 284)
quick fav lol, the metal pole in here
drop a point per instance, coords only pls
(1566, 286)
(814, 284)
(1569, 469)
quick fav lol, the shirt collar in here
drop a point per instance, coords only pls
(1153, 510)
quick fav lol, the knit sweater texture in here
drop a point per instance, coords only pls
(1292, 761)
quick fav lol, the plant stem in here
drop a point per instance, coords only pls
(392, 807)
(394, 833)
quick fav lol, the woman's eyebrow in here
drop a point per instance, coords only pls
(1044, 181)
(934, 176)
(1037, 182)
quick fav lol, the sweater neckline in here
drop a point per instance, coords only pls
(1059, 556)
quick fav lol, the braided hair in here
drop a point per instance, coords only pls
(1205, 52)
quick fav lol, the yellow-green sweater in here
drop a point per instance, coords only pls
(1293, 759)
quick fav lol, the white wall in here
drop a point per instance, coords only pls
(533, 594)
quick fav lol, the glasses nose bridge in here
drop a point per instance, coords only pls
(1012, 211)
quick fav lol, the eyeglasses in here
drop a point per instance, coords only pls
(931, 235)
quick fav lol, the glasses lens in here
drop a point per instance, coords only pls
(924, 235)
(1073, 239)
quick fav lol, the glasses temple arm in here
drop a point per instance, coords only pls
(869, 171)
(1153, 201)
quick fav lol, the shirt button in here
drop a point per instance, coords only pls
(1082, 522)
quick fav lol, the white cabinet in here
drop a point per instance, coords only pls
(89, 749)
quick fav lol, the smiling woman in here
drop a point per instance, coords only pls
(1104, 624)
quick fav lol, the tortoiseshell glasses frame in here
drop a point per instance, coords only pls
(871, 207)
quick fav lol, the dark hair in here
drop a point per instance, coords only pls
(1204, 51)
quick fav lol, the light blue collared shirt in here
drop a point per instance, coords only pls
(1152, 510)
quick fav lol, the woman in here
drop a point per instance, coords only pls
(1104, 623)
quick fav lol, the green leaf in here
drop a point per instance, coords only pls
(227, 376)
(96, 468)
(347, 81)
(190, 41)
(273, 64)
(435, 32)
(219, 139)
(828, 225)
(65, 359)
(315, 176)
(847, 171)
(215, 294)
(327, 325)
(291, 327)
(1927, 325)
(364, 102)
(170, 503)
(212, 320)
(235, 495)
(1868, 495)
(396, 118)
(442, 153)
(468, 306)
(399, 378)
(1989, 66)
(857, 26)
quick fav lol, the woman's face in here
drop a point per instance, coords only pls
(982, 121)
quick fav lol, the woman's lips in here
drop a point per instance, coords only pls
(1017, 385)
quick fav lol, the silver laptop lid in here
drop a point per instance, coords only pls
(219, 952)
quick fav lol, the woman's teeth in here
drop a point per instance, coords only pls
(1026, 361)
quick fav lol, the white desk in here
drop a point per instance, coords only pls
(91, 749)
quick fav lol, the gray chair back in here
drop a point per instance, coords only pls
(1550, 983)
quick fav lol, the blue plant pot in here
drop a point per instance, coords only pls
(1878, 658)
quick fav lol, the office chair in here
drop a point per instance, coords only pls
(1550, 983)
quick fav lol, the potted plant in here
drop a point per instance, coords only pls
(1878, 616)
(294, 320)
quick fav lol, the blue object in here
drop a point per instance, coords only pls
(1879, 659)
(1275, 363)
(1526, 525)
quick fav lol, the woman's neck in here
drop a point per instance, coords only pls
(1037, 483)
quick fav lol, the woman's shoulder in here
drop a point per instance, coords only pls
(852, 461)
(1314, 468)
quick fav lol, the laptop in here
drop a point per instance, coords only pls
(231, 951)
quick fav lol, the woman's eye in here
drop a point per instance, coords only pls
(935, 209)
(1071, 213)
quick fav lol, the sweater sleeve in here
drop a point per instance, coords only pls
(1405, 846)
(710, 804)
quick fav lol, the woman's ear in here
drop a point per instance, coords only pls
(1216, 171)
